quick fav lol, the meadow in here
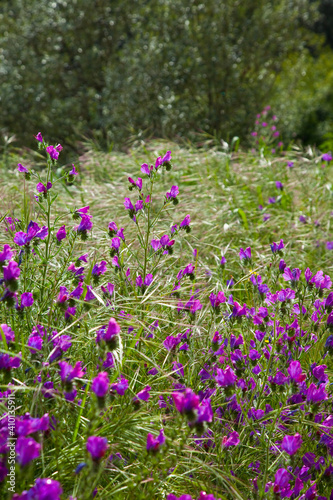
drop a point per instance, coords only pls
(166, 321)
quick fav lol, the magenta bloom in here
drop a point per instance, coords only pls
(326, 157)
(276, 247)
(216, 300)
(26, 299)
(100, 385)
(291, 275)
(148, 280)
(279, 185)
(121, 386)
(295, 371)
(291, 444)
(282, 478)
(27, 449)
(33, 231)
(321, 281)
(8, 333)
(145, 169)
(61, 234)
(39, 137)
(186, 402)
(11, 272)
(108, 290)
(186, 222)
(128, 204)
(35, 343)
(153, 444)
(85, 224)
(225, 378)
(138, 183)
(156, 245)
(315, 395)
(26, 425)
(99, 269)
(44, 489)
(231, 440)
(173, 193)
(68, 373)
(52, 151)
(143, 395)
(171, 342)
(7, 363)
(97, 447)
(70, 312)
(73, 171)
(115, 243)
(166, 158)
(7, 253)
(112, 331)
(43, 189)
(22, 169)
(245, 254)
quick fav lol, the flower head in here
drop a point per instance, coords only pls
(97, 447)
(245, 254)
(291, 444)
(153, 444)
(27, 449)
(53, 152)
(100, 384)
(61, 234)
(39, 137)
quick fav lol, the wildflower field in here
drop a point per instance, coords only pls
(166, 322)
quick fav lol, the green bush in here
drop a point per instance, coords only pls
(163, 68)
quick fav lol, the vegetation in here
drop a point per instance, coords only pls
(116, 324)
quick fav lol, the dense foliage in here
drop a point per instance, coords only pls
(173, 339)
(160, 68)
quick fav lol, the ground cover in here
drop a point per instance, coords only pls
(168, 334)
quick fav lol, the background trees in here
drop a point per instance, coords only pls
(161, 67)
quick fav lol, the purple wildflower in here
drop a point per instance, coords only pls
(231, 440)
(61, 234)
(327, 157)
(100, 384)
(153, 444)
(27, 449)
(276, 247)
(6, 254)
(39, 137)
(85, 224)
(121, 386)
(22, 169)
(97, 447)
(186, 223)
(73, 172)
(143, 395)
(291, 275)
(291, 444)
(8, 333)
(43, 189)
(225, 378)
(173, 193)
(11, 272)
(99, 269)
(52, 151)
(26, 299)
(186, 402)
(245, 254)
(68, 373)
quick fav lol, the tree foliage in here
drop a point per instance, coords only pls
(160, 66)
